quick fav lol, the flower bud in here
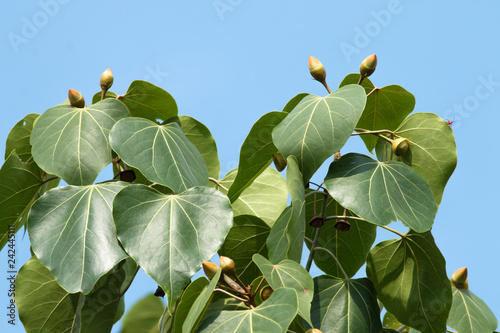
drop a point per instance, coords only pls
(342, 225)
(459, 278)
(265, 293)
(400, 146)
(106, 79)
(210, 269)
(76, 99)
(313, 330)
(227, 265)
(368, 65)
(316, 69)
(279, 161)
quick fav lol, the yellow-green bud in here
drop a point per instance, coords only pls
(210, 269)
(316, 69)
(279, 161)
(265, 293)
(76, 99)
(459, 278)
(313, 330)
(400, 146)
(106, 79)
(227, 265)
(368, 65)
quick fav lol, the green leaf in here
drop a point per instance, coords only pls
(44, 306)
(278, 241)
(162, 153)
(274, 315)
(265, 198)
(172, 322)
(97, 96)
(73, 143)
(294, 101)
(144, 315)
(246, 237)
(350, 247)
(382, 192)
(432, 153)
(289, 274)
(469, 313)
(19, 184)
(170, 235)
(144, 99)
(385, 108)
(72, 233)
(200, 305)
(256, 153)
(409, 275)
(296, 227)
(319, 126)
(19, 138)
(390, 322)
(200, 136)
(345, 305)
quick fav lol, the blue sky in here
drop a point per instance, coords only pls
(228, 62)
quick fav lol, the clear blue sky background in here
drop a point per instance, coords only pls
(228, 66)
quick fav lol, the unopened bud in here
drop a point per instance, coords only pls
(227, 265)
(210, 269)
(459, 278)
(316, 69)
(313, 330)
(368, 65)
(279, 161)
(76, 99)
(400, 146)
(106, 79)
(266, 292)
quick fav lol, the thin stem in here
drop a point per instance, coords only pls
(131, 280)
(217, 183)
(103, 94)
(373, 90)
(228, 293)
(392, 230)
(334, 258)
(401, 329)
(307, 239)
(258, 286)
(362, 131)
(241, 283)
(315, 192)
(326, 86)
(338, 217)
(318, 233)
(49, 179)
(361, 78)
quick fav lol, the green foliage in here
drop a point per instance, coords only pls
(171, 211)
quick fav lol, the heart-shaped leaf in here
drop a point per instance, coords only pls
(144, 99)
(203, 140)
(19, 184)
(345, 305)
(350, 247)
(97, 96)
(274, 315)
(278, 242)
(296, 228)
(143, 316)
(170, 235)
(200, 305)
(265, 197)
(44, 306)
(72, 233)
(432, 153)
(469, 314)
(385, 108)
(19, 138)
(162, 153)
(319, 126)
(382, 192)
(409, 275)
(256, 153)
(289, 274)
(73, 143)
(247, 236)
